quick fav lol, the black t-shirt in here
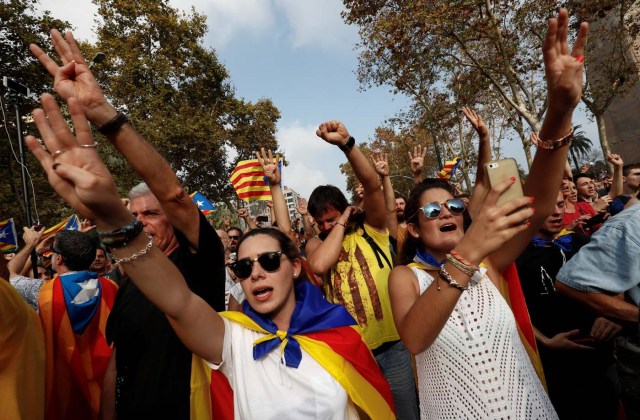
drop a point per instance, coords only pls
(551, 312)
(154, 367)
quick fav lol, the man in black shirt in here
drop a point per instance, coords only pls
(575, 345)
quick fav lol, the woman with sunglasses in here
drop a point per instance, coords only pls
(448, 309)
(291, 354)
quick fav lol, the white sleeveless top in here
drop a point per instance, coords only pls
(477, 368)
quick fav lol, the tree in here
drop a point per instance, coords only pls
(423, 45)
(22, 25)
(580, 146)
(397, 145)
(609, 69)
(176, 93)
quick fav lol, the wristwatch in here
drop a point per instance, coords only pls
(348, 145)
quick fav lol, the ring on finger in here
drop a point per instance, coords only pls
(90, 146)
(58, 153)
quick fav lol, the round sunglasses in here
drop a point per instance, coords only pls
(269, 261)
(433, 210)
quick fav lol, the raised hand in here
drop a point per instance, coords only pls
(243, 212)
(615, 160)
(73, 166)
(601, 203)
(269, 166)
(381, 164)
(74, 78)
(585, 168)
(301, 208)
(563, 68)
(31, 236)
(85, 225)
(269, 204)
(333, 132)
(495, 225)
(417, 159)
(476, 121)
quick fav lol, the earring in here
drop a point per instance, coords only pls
(295, 276)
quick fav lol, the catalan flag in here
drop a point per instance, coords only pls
(8, 236)
(327, 333)
(76, 361)
(70, 223)
(204, 205)
(249, 181)
(449, 169)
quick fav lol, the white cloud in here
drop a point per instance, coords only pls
(317, 23)
(228, 19)
(80, 14)
(312, 162)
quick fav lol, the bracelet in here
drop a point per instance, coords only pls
(461, 264)
(113, 124)
(444, 275)
(119, 238)
(348, 145)
(138, 254)
(555, 144)
(341, 224)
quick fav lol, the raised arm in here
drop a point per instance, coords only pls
(76, 173)
(563, 69)
(309, 226)
(484, 156)
(16, 266)
(74, 79)
(334, 132)
(381, 165)
(616, 184)
(416, 162)
(280, 209)
(243, 212)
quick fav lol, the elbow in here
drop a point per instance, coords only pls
(316, 266)
(413, 342)
(175, 195)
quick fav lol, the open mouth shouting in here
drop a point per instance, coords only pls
(449, 227)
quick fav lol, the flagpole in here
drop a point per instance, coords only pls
(20, 89)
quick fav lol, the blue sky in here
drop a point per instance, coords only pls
(300, 54)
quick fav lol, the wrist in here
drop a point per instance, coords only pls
(115, 221)
(101, 113)
(469, 253)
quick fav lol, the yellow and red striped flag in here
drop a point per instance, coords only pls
(449, 169)
(249, 181)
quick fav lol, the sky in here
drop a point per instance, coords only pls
(301, 55)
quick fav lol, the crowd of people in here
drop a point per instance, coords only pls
(439, 305)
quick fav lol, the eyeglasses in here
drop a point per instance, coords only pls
(433, 210)
(269, 261)
(234, 237)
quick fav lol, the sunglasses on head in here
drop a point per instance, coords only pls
(269, 261)
(433, 210)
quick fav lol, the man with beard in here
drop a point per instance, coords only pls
(234, 234)
(575, 345)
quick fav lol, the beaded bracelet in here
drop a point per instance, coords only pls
(119, 238)
(444, 275)
(138, 254)
(460, 266)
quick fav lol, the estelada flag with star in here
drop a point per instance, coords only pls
(70, 223)
(8, 236)
(204, 205)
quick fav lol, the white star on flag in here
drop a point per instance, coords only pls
(200, 203)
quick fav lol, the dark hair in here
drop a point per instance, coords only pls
(78, 249)
(326, 196)
(398, 195)
(581, 175)
(411, 210)
(287, 246)
(234, 228)
(627, 168)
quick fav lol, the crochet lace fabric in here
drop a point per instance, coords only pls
(478, 367)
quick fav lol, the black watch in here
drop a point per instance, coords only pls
(348, 145)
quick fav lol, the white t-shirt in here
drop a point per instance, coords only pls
(266, 389)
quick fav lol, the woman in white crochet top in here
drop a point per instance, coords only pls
(470, 360)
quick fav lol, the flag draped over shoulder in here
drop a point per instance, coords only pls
(203, 203)
(249, 181)
(8, 236)
(511, 290)
(449, 169)
(75, 362)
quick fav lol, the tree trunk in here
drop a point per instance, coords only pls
(604, 142)
(575, 160)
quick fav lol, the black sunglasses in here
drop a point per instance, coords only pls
(433, 210)
(234, 237)
(269, 261)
